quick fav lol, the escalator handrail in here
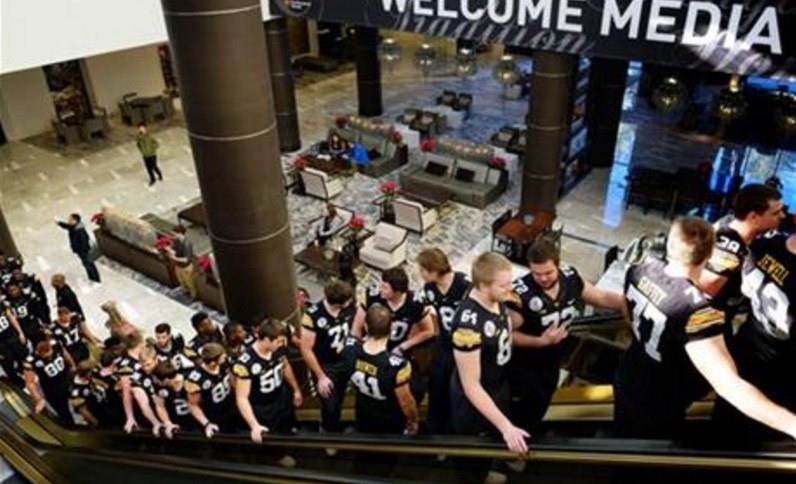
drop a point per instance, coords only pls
(585, 450)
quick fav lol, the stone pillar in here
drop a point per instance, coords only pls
(7, 245)
(282, 84)
(368, 72)
(548, 129)
(607, 81)
(221, 59)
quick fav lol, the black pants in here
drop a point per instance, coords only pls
(531, 393)
(58, 398)
(151, 163)
(12, 354)
(438, 420)
(91, 269)
(635, 420)
(332, 406)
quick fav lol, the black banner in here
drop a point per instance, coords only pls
(749, 37)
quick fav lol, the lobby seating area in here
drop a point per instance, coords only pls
(320, 184)
(386, 248)
(464, 168)
(136, 109)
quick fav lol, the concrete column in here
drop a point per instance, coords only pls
(607, 81)
(222, 63)
(282, 83)
(368, 72)
(548, 128)
(7, 245)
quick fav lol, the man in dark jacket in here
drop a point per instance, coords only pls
(79, 243)
(65, 297)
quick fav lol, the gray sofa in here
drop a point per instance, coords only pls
(374, 134)
(461, 167)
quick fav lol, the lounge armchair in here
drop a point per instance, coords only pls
(319, 184)
(413, 216)
(386, 248)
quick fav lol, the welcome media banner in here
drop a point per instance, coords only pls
(749, 37)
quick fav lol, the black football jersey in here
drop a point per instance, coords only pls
(178, 353)
(69, 336)
(52, 372)
(446, 304)
(111, 387)
(769, 282)
(127, 366)
(216, 390)
(330, 331)
(540, 311)
(476, 328)
(6, 329)
(90, 393)
(667, 313)
(176, 403)
(374, 379)
(411, 311)
(140, 379)
(23, 309)
(727, 260)
(266, 374)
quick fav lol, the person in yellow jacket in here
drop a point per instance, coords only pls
(148, 146)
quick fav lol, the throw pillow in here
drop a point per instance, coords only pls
(465, 175)
(382, 242)
(436, 169)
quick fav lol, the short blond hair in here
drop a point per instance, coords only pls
(690, 241)
(486, 267)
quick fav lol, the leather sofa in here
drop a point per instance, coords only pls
(461, 167)
(375, 136)
(130, 241)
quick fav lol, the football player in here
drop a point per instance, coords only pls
(73, 334)
(266, 389)
(325, 327)
(677, 335)
(209, 387)
(756, 210)
(50, 368)
(544, 303)
(384, 401)
(444, 289)
(764, 347)
(481, 340)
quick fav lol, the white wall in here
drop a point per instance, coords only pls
(26, 106)
(39, 32)
(110, 76)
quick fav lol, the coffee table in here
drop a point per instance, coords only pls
(195, 215)
(332, 166)
(313, 257)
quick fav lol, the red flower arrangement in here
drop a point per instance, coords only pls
(164, 243)
(205, 263)
(497, 162)
(341, 121)
(388, 187)
(395, 137)
(98, 218)
(428, 145)
(356, 223)
(300, 163)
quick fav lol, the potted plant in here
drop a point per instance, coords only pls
(428, 145)
(205, 264)
(98, 219)
(395, 137)
(497, 162)
(341, 121)
(356, 225)
(388, 189)
(300, 163)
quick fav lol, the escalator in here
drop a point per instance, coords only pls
(574, 445)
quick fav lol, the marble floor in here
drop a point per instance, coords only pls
(40, 180)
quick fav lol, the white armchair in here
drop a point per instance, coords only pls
(413, 215)
(386, 248)
(319, 184)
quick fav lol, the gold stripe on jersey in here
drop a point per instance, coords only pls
(240, 371)
(514, 298)
(703, 319)
(307, 322)
(774, 268)
(723, 260)
(77, 402)
(466, 338)
(191, 387)
(404, 374)
(366, 368)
